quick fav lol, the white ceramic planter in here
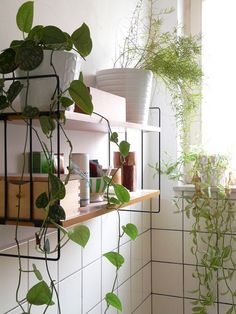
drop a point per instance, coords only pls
(67, 66)
(133, 84)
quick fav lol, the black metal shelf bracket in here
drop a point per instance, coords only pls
(154, 211)
(5, 117)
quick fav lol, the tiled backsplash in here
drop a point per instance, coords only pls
(83, 276)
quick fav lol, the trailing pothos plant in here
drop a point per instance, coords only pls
(27, 54)
(212, 211)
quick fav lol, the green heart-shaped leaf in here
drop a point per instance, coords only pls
(47, 124)
(42, 200)
(52, 35)
(115, 258)
(40, 294)
(56, 212)
(3, 102)
(29, 56)
(82, 40)
(24, 17)
(57, 190)
(66, 102)
(81, 96)
(36, 33)
(79, 234)
(7, 61)
(131, 230)
(30, 112)
(124, 148)
(113, 300)
(14, 90)
(121, 193)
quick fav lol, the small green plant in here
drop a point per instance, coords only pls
(173, 59)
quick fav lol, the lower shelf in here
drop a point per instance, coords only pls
(98, 209)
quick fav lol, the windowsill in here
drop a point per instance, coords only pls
(190, 188)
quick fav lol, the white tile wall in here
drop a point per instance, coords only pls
(91, 285)
(92, 251)
(167, 279)
(167, 305)
(145, 307)
(167, 246)
(136, 290)
(84, 276)
(71, 295)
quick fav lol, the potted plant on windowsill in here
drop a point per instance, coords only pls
(172, 58)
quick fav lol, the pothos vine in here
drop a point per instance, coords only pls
(27, 55)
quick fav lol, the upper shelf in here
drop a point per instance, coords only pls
(83, 122)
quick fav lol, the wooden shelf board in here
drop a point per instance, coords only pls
(98, 209)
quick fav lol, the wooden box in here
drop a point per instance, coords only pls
(40, 184)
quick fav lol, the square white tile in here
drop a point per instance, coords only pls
(145, 307)
(9, 274)
(124, 293)
(92, 251)
(91, 286)
(109, 232)
(146, 247)
(136, 255)
(147, 280)
(70, 292)
(71, 259)
(136, 290)
(137, 220)
(96, 310)
(108, 276)
(167, 246)
(125, 270)
(167, 305)
(167, 279)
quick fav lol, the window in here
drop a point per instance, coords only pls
(215, 19)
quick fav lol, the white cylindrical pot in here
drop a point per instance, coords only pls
(81, 160)
(133, 84)
(41, 90)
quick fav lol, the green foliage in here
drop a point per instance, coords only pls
(115, 258)
(173, 59)
(122, 193)
(24, 18)
(57, 188)
(47, 125)
(14, 90)
(82, 41)
(81, 96)
(42, 200)
(131, 230)
(56, 212)
(79, 234)
(124, 147)
(37, 272)
(113, 300)
(40, 294)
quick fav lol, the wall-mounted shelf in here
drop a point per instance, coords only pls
(93, 123)
(98, 209)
